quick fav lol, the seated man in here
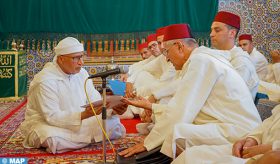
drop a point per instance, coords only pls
(271, 85)
(135, 81)
(54, 118)
(154, 73)
(224, 30)
(263, 139)
(132, 74)
(274, 68)
(259, 60)
(138, 66)
(212, 102)
(260, 145)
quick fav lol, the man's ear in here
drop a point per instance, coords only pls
(179, 44)
(232, 33)
(59, 59)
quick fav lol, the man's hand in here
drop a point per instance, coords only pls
(120, 108)
(123, 77)
(138, 148)
(146, 116)
(88, 112)
(129, 90)
(138, 102)
(178, 150)
(148, 112)
(275, 56)
(240, 145)
(152, 99)
(255, 150)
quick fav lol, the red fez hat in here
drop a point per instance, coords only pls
(160, 31)
(142, 45)
(151, 37)
(177, 31)
(228, 18)
(245, 37)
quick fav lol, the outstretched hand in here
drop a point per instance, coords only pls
(129, 91)
(138, 148)
(138, 102)
(120, 108)
(123, 77)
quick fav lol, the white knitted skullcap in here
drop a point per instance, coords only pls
(68, 45)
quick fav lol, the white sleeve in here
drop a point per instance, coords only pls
(167, 89)
(93, 93)
(48, 101)
(154, 67)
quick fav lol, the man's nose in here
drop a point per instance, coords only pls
(153, 48)
(81, 61)
(211, 34)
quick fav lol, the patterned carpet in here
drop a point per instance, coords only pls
(8, 108)
(11, 144)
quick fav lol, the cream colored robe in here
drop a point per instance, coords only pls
(273, 75)
(271, 85)
(161, 72)
(271, 89)
(213, 93)
(260, 63)
(241, 62)
(153, 75)
(269, 131)
(160, 68)
(54, 108)
(135, 68)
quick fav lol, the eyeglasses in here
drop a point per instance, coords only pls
(165, 51)
(153, 45)
(75, 59)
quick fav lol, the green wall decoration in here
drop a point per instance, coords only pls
(103, 16)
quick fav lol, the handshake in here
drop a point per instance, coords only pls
(118, 104)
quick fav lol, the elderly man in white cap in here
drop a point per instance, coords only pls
(54, 117)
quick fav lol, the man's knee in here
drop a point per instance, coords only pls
(115, 128)
(33, 140)
(60, 145)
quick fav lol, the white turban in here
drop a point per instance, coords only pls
(68, 45)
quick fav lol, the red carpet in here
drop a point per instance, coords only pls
(11, 142)
(130, 124)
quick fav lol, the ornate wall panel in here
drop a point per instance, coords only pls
(260, 18)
